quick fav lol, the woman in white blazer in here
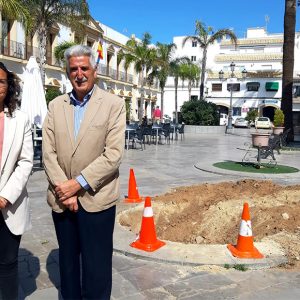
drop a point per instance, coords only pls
(16, 159)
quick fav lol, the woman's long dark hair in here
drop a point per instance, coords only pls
(11, 100)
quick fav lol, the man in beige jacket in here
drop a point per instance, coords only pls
(83, 142)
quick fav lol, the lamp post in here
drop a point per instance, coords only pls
(221, 77)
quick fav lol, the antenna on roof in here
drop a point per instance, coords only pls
(267, 20)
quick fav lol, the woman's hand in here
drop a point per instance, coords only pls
(3, 202)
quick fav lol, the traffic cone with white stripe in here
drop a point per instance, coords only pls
(133, 193)
(147, 239)
(245, 247)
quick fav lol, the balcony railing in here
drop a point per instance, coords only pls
(19, 50)
(114, 74)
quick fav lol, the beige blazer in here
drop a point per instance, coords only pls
(16, 165)
(96, 153)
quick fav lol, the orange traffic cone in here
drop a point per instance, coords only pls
(245, 247)
(133, 193)
(147, 239)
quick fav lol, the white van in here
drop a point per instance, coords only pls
(223, 119)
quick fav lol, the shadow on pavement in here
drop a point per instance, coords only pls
(29, 269)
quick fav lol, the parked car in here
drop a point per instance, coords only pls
(223, 119)
(263, 122)
(241, 122)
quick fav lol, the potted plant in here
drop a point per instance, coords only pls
(278, 121)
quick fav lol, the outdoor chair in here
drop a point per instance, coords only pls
(265, 152)
(166, 130)
(283, 138)
(139, 138)
(181, 131)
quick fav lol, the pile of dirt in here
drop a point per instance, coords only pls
(211, 214)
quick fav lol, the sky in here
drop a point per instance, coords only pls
(164, 19)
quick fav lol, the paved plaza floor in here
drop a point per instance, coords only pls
(158, 169)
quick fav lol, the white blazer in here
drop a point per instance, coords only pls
(15, 169)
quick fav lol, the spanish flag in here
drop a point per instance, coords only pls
(100, 52)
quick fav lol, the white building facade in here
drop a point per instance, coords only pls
(16, 50)
(259, 54)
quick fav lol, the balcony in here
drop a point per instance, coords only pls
(114, 74)
(19, 50)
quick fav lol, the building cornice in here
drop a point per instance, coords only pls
(256, 42)
(249, 57)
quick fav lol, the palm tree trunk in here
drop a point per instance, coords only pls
(162, 93)
(288, 64)
(204, 58)
(42, 33)
(176, 88)
(190, 89)
(141, 107)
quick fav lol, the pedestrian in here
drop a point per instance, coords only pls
(83, 143)
(156, 114)
(16, 160)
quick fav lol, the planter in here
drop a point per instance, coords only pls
(260, 139)
(278, 130)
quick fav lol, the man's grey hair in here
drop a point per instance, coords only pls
(79, 50)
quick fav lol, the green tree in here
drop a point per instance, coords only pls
(59, 51)
(45, 13)
(288, 63)
(14, 10)
(200, 113)
(252, 115)
(190, 72)
(161, 67)
(278, 118)
(205, 36)
(142, 56)
(52, 93)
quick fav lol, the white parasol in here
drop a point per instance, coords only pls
(33, 96)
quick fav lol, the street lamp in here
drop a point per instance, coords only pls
(221, 77)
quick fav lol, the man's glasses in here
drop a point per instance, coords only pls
(3, 82)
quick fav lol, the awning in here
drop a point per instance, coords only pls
(252, 86)
(272, 86)
(52, 82)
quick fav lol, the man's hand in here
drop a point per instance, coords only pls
(3, 202)
(67, 189)
(71, 203)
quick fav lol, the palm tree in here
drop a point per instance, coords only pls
(288, 63)
(14, 10)
(206, 36)
(190, 72)
(45, 13)
(143, 57)
(175, 72)
(161, 67)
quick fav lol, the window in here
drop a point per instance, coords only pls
(272, 86)
(253, 86)
(236, 111)
(236, 87)
(216, 87)
(194, 43)
(193, 58)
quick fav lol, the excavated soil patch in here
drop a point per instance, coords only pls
(211, 214)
